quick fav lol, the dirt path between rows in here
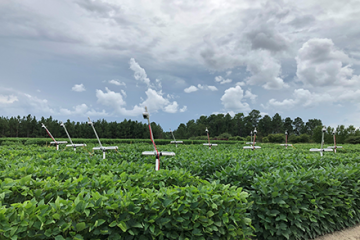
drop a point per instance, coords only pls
(352, 233)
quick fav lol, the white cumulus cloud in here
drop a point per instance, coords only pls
(233, 100)
(221, 80)
(191, 89)
(154, 102)
(302, 97)
(82, 110)
(319, 63)
(117, 82)
(8, 99)
(139, 72)
(183, 109)
(171, 108)
(265, 70)
(78, 88)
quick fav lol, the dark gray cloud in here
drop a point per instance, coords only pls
(267, 39)
(105, 10)
(319, 63)
(302, 21)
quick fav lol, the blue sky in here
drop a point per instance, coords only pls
(182, 59)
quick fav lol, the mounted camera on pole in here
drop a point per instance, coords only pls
(72, 144)
(57, 143)
(334, 147)
(155, 153)
(253, 147)
(101, 146)
(176, 142)
(321, 149)
(209, 144)
(286, 140)
(251, 139)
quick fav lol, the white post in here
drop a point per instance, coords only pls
(157, 163)
(103, 154)
(173, 137)
(334, 144)
(57, 146)
(322, 140)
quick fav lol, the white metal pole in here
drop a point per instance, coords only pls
(207, 131)
(63, 125)
(254, 139)
(92, 125)
(157, 163)
(157, 160)
(322, 140)
(334, 141)
(173, 137)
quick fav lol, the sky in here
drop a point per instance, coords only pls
(71, 59)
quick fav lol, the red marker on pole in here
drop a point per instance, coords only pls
(253, 142)
(155, 153)
(209, 144)
(286, 140)
(334, 147)
(54, 142)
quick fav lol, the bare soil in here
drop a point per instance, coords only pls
(352, 233)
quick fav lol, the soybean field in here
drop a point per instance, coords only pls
(225, 192)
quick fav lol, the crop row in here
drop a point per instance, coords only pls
(52, 195)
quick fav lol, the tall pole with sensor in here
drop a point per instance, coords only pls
(209, 144)
(321, 149)
(176, 142)
(253, 147)
(286, 140)
(334, 147)
(57, 143)
(72, 144)
(155, 153)
(102, 148)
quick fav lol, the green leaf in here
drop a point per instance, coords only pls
(113, 224)
(163, 221)
(197, 232)
(122, 226)
(59, 237)
(80, 226)
(78, 237)
(99, 222)
(247, 221)
(136, 225)
(152, 229)
(80, 207)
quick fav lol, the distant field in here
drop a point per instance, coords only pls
(223, 193)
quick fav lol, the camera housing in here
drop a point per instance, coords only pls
(145, 115)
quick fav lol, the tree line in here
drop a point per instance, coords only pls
(29, 126)
(272, 129)
(221, 126)
(241, 125)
